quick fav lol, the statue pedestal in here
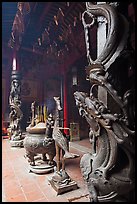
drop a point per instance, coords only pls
(63, 187)
(16, 143)
(61, 182)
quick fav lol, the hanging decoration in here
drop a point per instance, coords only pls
(56, 41)
(55, 19)
(75, 21)
(39, 41)
(59, 18)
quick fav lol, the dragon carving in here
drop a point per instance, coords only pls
(109, 168)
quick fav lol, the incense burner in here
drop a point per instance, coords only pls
(39, 140)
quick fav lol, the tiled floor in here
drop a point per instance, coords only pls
(19, 185)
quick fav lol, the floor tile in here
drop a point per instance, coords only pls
(16, 198)
(21, 185)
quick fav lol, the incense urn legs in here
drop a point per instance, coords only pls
(36, 144)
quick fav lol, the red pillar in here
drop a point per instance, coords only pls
(63, 69)
(65, 106)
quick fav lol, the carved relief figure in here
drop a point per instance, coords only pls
(15, 118)
(15, 111)
(15, 92)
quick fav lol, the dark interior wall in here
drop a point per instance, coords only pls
(6, 75)
(26, 109)
(52, 88)
(83, 85)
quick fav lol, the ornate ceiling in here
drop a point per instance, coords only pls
(9, 10)
(47, 24)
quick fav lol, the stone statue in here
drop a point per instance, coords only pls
(49, 124)
(61, 177)
(33, 114)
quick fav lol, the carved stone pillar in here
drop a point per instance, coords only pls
(15, 111)
(15, 104)
(23, 8)
(109, 169)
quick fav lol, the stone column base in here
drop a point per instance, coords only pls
(18, 143)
